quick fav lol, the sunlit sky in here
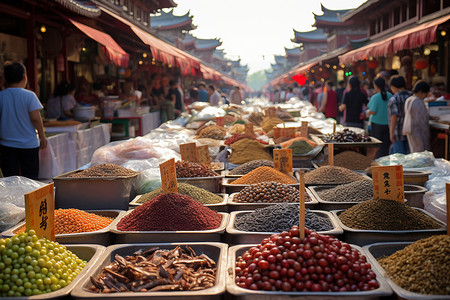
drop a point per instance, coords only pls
(255, 30)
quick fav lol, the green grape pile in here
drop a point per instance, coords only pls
(32, 266)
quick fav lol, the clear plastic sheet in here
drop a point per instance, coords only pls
(148, 180)
(413, 160)
(12, 202)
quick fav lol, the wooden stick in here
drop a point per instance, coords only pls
(447, 194)
(331, 154)
(334, 127)
(301, 213)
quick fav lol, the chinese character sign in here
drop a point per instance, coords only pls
(40, 212)
(188, 152)
(168, 177)
(282, 160)
(388, 183)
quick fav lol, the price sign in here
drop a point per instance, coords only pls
(189, 152)
(282, 160)
(276, 133)
(301, 213)
(272, 112)
(288, 132)
(447, 194)
(388, 183)
(203, 154)
(249, 130)
(40, 212)
(331, 154)
(304, 129)
(168, 177)
(220, 121)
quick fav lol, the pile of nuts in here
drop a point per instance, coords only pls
(346, 136)
(186, 169)
(269, 192)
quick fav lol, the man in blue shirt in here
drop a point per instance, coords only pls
(19, 117)
(203, 95)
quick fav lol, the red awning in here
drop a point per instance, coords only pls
(161, 50)
(114, 52)
(423, 34)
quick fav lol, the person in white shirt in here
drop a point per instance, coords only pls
(214, 96)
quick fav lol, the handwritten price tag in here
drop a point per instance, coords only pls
(203, 154)
(220, 121)
(388, 183)
(276, 133)
(168, 177)
(249, 129)
(282, 160)
(189, 152)
(304, 129)
(40, 212)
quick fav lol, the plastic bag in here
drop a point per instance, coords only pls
(12, 202)
(413, 160)
(148, 180)
(435, 203)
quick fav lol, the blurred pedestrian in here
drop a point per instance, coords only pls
(396, 115)
(353, 103)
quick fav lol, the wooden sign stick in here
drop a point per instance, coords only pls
(447, 194)
(301, 213)
(331, 154)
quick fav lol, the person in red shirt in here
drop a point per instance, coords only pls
(329, 103)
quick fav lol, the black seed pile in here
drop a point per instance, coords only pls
(357, 191)
(345, 136)
(269, 192)
(331, 175)
(250, 166)
(280, 217)
(380, 214)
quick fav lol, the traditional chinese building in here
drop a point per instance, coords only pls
(292, 56)
(171, 27)
(312, 43)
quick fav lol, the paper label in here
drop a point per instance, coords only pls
(40, 212)
(288, 132)
(388, 183)
(249, 130)
(304, 129)
(220, 121)
(168, 177)
(282, 160)
(203, 154)
(276, 133)
(188, 152)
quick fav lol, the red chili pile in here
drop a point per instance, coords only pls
(186, 169)
(233, 139)
(284, 262)
(170, 212)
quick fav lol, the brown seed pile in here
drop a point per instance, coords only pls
(381, 214)
(187, 169)
(199, 194)
(264, 174)
(246, 150)
(422, 267)
(213, 132)
(250, 166)
(331, 175)
(357, 191)
(352, 160)
(105, 170)
(269, 192)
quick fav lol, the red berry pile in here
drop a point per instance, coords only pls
(318, 263)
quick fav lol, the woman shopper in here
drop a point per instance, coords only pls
(60, 106)
(378, 116)
(416, 126)
(353, 103)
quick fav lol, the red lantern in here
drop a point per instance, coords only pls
(373, 64)
(421, 64)
(300, 79)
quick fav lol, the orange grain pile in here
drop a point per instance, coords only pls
(289, 142)
(264, 174)
(77, 221)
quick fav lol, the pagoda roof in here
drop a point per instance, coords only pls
(189, 39)
(330, 17)
(219, 53)
(82, 7)
(292, 51)
(279, 59)
(316, 35)
(153, 6)
(207, 44)
(361, 10)
(167, 20)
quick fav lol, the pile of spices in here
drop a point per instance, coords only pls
(213, 132)
(278, 218)
(357, 191)
(331, 175)
(250, 166)
(155, 269)
(352, 160)
(284, 262)
(170, 212)
(269, 192)
(105, 170)
(345, 136)
(187, 169)
(32, 266)
(237, 137)
(264, 174)
(77, 221)
(381, 214)
(422, 267)
(246, 150)
(268, 123)
(287, 143)
(300, 147)
(199, 194)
